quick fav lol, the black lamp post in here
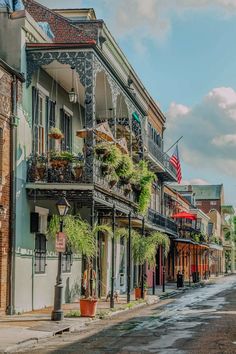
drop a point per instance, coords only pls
(57, 314)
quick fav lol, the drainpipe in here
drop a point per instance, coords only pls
(12, 226)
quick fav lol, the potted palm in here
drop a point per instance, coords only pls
(81, 238)
(144, 251)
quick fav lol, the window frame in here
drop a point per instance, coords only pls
(40, 254)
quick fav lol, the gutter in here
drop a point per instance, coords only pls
(12, 226)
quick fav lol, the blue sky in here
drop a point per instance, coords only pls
(184, 51)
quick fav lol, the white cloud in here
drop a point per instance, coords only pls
(198, 181)
(140, 20)
(223, 140)
(208, 129)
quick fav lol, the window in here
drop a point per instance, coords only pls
(213, 202)
(66, 127)
(67, 261)
(40, 253)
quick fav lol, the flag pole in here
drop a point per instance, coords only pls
(174, 143)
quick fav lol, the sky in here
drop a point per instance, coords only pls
(184, 52)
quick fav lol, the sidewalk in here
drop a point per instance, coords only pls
(21, 331)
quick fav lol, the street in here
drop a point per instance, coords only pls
(199, 321)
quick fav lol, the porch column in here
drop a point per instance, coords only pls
(129, 261)
(90, 118)
(189, 250)
(113, 258)
(142, 266)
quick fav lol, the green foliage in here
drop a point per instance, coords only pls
(113, 157)
(196, 238)
(81, 237)
(61, 155)
(145, 178)
(73, 313)
(125, 167)
(55, 131)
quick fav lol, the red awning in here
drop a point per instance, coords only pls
(184, 215)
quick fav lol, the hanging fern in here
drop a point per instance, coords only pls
(80, 235)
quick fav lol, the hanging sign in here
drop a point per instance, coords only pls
(60, 242)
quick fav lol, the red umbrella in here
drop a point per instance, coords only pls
(184, 215)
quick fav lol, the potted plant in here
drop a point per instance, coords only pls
(113, 157)
(55, 133)
(125, 169)
(60, 159)
(144, 250)
(41, 163)
(101, 148)
(113, 179)
(81, 238)
(127, 188)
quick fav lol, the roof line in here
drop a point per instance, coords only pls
(12, 70)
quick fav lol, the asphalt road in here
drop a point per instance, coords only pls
(199, 321)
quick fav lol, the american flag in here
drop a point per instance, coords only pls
(174, 160)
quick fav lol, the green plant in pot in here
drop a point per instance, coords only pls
(81, 238)
(102, 148)
(144, 250)
(113, 179)
(125, 169)
(113, 157)
(60, 158)
(40, 166)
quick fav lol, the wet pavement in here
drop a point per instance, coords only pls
(201, 321)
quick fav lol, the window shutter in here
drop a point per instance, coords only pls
(35, 101)
(62, 127)
(34, 222)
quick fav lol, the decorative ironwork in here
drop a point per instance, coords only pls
(162, 221)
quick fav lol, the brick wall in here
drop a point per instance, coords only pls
(63, 31)
(5, 113)
(206, 205)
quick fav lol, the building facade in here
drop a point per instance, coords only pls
(10, 97)
(64, 54)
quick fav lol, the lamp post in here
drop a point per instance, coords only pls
(57, 313)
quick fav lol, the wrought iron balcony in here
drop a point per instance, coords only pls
(162, 221)
(42, 170)
(160, 161)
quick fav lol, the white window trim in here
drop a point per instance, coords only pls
(42, 90)
(41, 211)
(67, 110)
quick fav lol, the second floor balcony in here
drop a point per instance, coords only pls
(160, 161)
(163, 222)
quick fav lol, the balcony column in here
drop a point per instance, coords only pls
(90, 118)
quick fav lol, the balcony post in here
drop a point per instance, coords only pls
(113, 258)
(90, 118)
(143, 265)
(129, 261)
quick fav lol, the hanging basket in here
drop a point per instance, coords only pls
(56, 136)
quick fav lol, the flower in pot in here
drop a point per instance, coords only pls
(113, 179)
(55, 133)
(81, 238)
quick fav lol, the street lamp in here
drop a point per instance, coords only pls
(57, 314)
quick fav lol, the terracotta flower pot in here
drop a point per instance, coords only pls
(112, 183)
(56, 136)
(137, 293)
(57, 163)
(41, 172)
(88, 307)
(78, 171)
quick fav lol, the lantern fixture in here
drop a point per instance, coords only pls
(73, 97)
(62, 206)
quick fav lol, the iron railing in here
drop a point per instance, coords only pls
(162, 221)
(41, 170)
